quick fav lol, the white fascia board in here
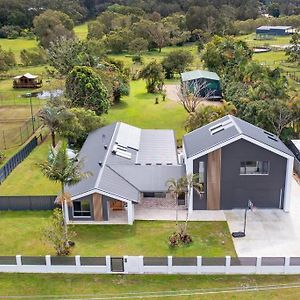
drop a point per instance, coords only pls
(288, 184)
(97, 191)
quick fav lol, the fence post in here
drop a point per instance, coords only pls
(227, 264)
(141, 264)
(287, 261)
(125, 261)
(4, 139)
(199, 264)
(48, 261)
(169, 264)
(258, 265)
(19, 260)
(77, 261)
(107, 259)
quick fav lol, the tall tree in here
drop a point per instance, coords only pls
(85, 89)
(53, 117)
(176, 62)
(293, 51)
(67, 171)
(64, 54)
(153, 74)
(52, 25)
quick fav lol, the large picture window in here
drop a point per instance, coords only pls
(254, 168)
(82, 208)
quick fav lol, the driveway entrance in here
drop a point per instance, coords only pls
(269, 232)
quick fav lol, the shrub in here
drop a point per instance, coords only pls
(180, 238)
(2, 157)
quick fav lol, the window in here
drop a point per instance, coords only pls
(82, 208)
(154, 195)
(254, 168)
(201, 171)
(181, 199)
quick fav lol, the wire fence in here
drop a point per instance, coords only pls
(13, 99)
(17, 136)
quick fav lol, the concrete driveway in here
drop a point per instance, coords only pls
(270, 232)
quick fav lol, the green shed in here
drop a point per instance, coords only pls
(203, 83)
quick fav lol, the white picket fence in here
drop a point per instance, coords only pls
(150, 265)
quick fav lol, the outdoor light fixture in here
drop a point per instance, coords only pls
(239, 234)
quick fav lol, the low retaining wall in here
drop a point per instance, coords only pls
(27, 202)
(150, 265)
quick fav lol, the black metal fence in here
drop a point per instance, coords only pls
(17, 158)
(13, 137)
(27, 202)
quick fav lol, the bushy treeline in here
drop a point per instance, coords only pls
(250, 25)
(19, 14)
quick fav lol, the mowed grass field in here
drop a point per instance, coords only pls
(21, 233)
(27, 179)
(161, 287)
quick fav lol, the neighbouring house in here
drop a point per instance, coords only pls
(236, 161)
(275, 30)
(27, 81)
(203, 84)
(294, 145)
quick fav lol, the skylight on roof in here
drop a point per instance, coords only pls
(271, 136)
(220, 127)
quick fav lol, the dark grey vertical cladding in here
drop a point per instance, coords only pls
(71, 215)
(263, 190)
(200, 202)
(105, 207)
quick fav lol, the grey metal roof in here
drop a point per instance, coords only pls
(191, 75)
(149, 178)
(266, 27)
(91, 153)
(157, 146)
(202, 139)
(128, 148)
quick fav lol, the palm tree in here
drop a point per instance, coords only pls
(67, 171)
(185, 184)
(192, 183)
(175, 188)
(52, 117)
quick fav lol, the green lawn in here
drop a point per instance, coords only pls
(147, 286)
(159, 56)
(252, 41)
(21, 234)
(27, 179)
(81, 31)
(139, 109)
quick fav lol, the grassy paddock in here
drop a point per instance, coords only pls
(143, 286)
(21, 234)
(139, 109)
(27, 179)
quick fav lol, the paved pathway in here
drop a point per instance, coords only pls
(270, 232)
(141, 213)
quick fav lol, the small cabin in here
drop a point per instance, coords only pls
(27, 81)
(203, 84)
(275, 30)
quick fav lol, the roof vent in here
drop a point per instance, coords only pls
(220, 127)
(100, 163)
(105, 147)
